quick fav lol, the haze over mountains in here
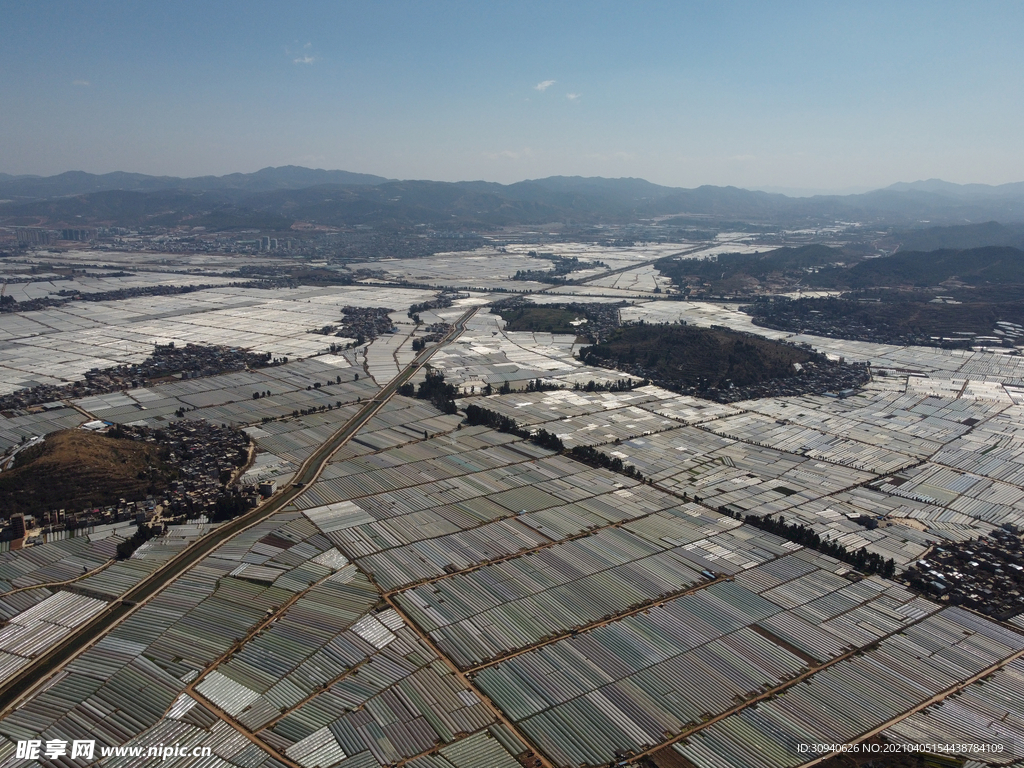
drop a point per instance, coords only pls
(948, 189)
(80, 182)
(345, 198)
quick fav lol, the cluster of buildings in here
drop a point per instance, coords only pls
(265, 244)
(986, 574)
(365, 323)
(25, 236)
(189, 361)
(35, 236)
(65, 295)
(206, 459)
(23, 530)
(357, 243)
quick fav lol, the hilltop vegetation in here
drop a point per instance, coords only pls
(742, 273)
(992, 265)
(961, 237)
(938, 298)
(719, 364)
(707, 358)
(895, 317)
(902, 319)
(76, 469)
(821, 267)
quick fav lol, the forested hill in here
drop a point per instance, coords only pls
(973, 266)
(962, 237)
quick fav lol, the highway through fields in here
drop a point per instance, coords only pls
(25, 681)
(630, 267)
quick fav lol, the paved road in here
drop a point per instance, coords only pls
(637, 265)
(16, 688)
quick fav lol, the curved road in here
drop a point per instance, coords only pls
(26, 680)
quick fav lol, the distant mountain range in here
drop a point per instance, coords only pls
(278, 196)
(948, 189)
(79, 182)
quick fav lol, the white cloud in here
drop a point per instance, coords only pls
(83, 83)
(572, 96)
(544, 85)
(303, 55)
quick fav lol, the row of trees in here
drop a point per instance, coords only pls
(435, 389)
(475, 415)
(861, 559)
(619, 385)
(142, 534)
(595, 458)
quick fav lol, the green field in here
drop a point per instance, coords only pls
(542, 319)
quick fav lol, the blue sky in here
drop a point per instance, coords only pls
(815, 95)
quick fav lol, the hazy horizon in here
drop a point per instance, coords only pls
(787, 191)
(800, 97)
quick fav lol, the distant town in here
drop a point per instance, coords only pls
(642, 490)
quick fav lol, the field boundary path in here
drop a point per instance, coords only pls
(28, 679)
